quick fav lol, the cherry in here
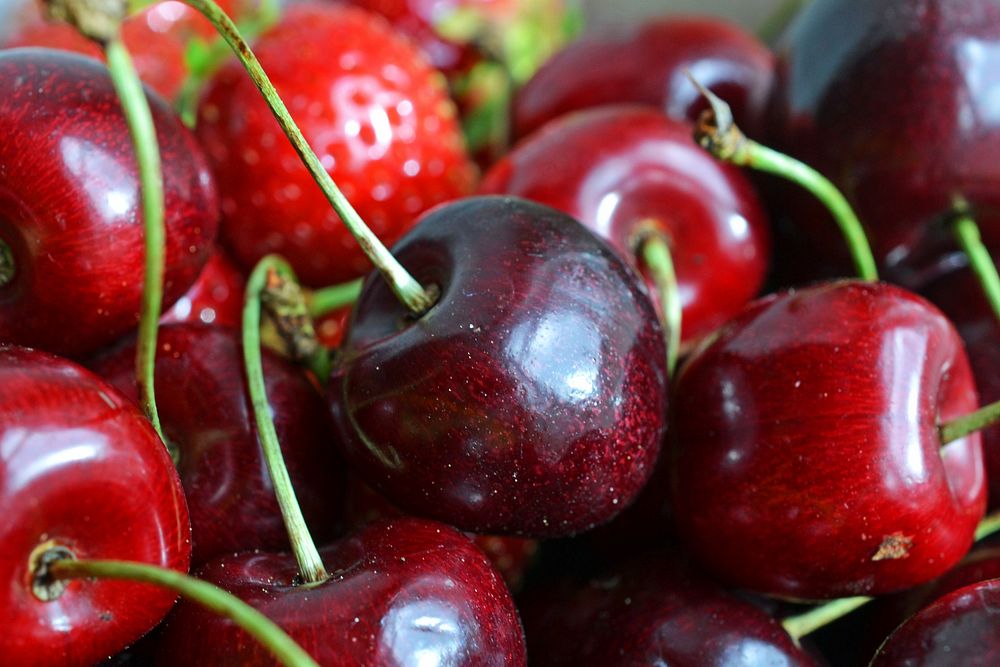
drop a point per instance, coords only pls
(852, 85)
(529, 399)
(376, 113)
(961, 628)
(71, 236)
(81, 470)
(216, 297)
(206, 415)
(405, 591)
(652, 610)
(647, 64)
(807, 457)
(626, 172)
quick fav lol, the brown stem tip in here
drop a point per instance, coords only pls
(98, 20)
(285, 304)
(716, 131)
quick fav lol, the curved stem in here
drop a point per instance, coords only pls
(328, 299)
(963, 426)
(717, 133)
(406, 288)
(656, 256)
(988, 526)
(207, 595)
(140, 122)
(967, 235)
(8, 268)
(800, 625)
(772, 27)
(310, 565)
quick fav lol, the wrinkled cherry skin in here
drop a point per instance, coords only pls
(70, 204)
(619, 170)
(646, 64)
(961, 628)
(205, 412)
(402, 593)
(373, 109)
(806, 435)
(653, 610)
(79, 465)
(960, 296)
(529, 400)
(216, 297)
(852, 84)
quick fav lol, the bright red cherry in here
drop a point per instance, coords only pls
(851, 98)
(807, 456)
(629, 171)
(81, 468)
(377, 115)
(216, 297)
(206, 415)
(529, 400)
(406, 592)
(648, 64)
(71, 237)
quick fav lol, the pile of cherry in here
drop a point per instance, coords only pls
(811, 446)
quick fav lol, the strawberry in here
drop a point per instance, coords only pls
(377, 115)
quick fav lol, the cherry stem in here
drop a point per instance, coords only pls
(140, 122)
(717, 133)
(310, 565)
(963, 426)
(8, 269)
(967, 235)
(988, 526)
(800, 625)
(656, 256)
(779, 19)
(213, 598)
(406, 288)
(328, 299)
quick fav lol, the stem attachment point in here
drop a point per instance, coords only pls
(46, 587)
(986, 416)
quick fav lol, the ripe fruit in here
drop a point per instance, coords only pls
(807, 459)
(530, 399)
(80, 468)
(70, 206)
(628, 171)
(216, 297)
(375, 112)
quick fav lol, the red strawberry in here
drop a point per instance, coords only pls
(378, 117)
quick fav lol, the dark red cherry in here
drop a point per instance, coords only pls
(652, 610)
(807, 457)
(647, 64)
(206, 415)
(70, 205)
(405, 592)
(853, 83)
(216, 297)
(80, 468)
(626, 171)
(529, 400)
(961, 628)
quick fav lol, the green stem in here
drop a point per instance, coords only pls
(988, 526)
(772, 27)
(717, 133)
(8, 269)
(328, 299)
(967, 234)
(310, 565)
(407, 289)
(656, 256)
(803, 624)
(140, 122)
(211, 597)
(988, 415)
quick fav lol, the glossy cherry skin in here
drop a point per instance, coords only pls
(206, 415)
(807, 461)
(647, 64)
(81, 467)
(852, 85)
(70, 204)
(216, 297)
(653, 610)
(961, 628)
(960, 296)
(373, 109)
(620, 170)
(402, 593)
(529, 400)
